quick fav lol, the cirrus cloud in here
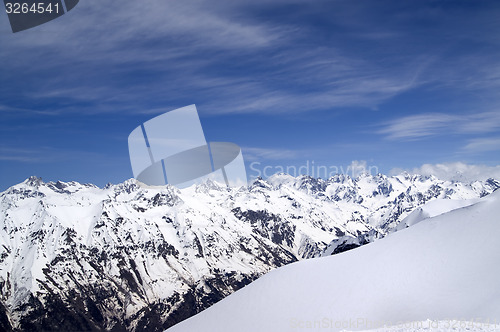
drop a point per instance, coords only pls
(433, 124)
(456, 171)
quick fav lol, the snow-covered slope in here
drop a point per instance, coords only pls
(434, 208)
(444, 268)
(128, 257)
(476, 325)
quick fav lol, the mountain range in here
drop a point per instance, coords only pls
(128, 257)
(441, 274)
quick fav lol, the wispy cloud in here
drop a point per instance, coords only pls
(21, 156)
(6, 110)
(25, 155)
(434, 124)
(458, 171)
(191, 49)
(417, 126)
(196, 24)
(480, 145)
(160, 53)
(45, 155)
(256, 154)
(105, 67)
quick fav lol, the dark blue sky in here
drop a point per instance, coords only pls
(393, 84)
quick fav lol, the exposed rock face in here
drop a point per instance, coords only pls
(76, 257)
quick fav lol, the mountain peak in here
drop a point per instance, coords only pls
(33, 181)
(174, 247)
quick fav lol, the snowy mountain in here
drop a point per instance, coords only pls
(440, 274)
(77, 257)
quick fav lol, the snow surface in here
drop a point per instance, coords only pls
(445, 268)
(61, 238)
(434, 208)
(441, 326)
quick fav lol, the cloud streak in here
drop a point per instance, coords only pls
(191, 49)
(308, 71)
(480, 145)
(45, 155)
(457, 171)
(434, 124)
(259, 154)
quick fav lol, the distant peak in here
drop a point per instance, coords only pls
(34, 181)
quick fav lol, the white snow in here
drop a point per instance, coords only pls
(445, 268)
(434, 208)
(234, 228)
(440, 326)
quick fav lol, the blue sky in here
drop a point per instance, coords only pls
(391, 84)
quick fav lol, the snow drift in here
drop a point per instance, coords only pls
(445, 268)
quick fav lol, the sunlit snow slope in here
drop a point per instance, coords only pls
(444, 268)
